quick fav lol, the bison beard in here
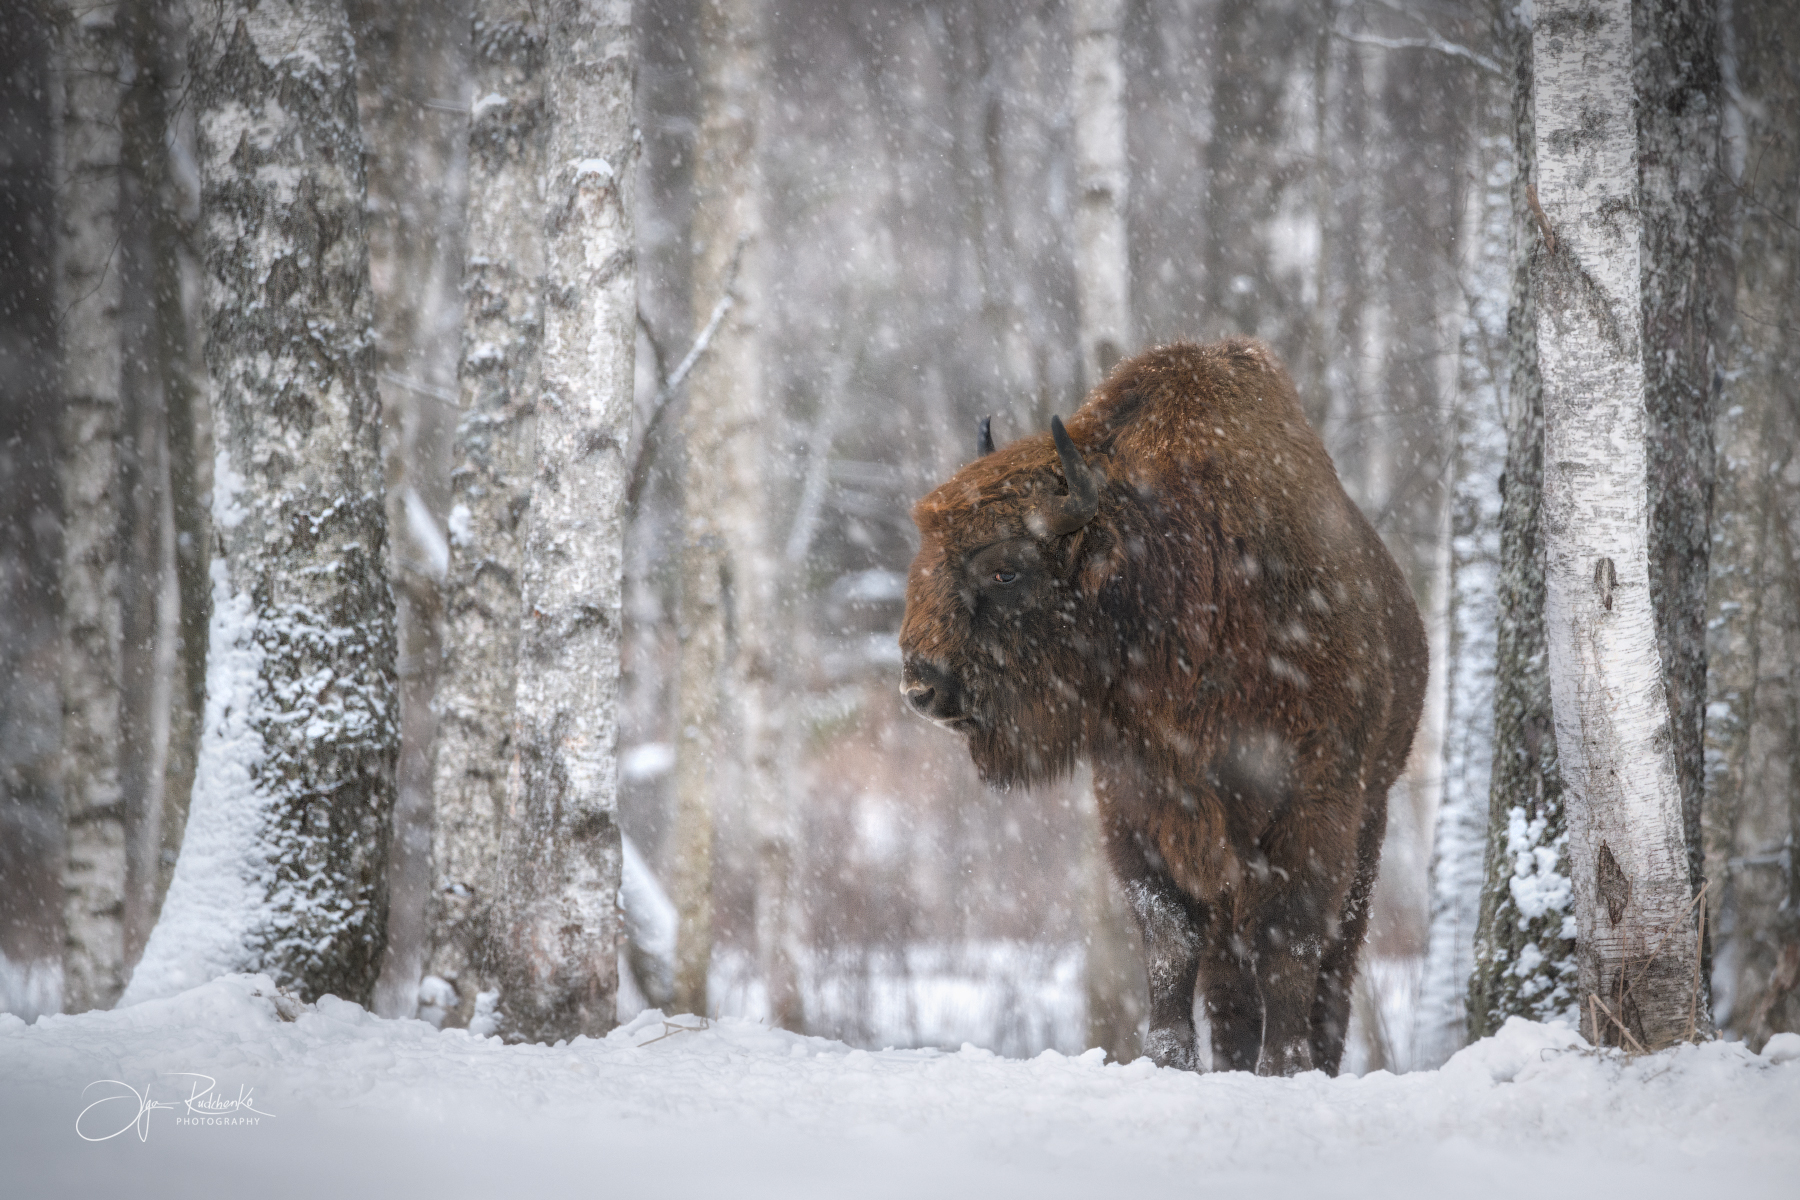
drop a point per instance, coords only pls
(1177, 589)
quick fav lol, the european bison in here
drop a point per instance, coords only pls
(1177, 588)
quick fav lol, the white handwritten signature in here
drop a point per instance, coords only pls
(202, 1105)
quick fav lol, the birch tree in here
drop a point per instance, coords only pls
(1103, 286)
(556, 959)
(727, 563)
(476, 769)
(89, 301)
(282, 868)
(1524, 961)
(1478, 439)
(1638, 945)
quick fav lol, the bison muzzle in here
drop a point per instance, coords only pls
(1176, 588)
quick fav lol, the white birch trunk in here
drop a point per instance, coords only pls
(283, 865)
(727, 564)
(1102, 255)
(1103, 287)
(475, 773)
(1459, 838)
(1637, 929)
(557, 955)
(89, 300)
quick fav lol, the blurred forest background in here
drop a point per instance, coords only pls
(1334, 177)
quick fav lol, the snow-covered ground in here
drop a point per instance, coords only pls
(347, 1104)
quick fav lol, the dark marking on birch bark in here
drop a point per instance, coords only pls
(1613, 884)
(1606, 580)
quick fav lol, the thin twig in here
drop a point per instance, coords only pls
(1699, 947)
(659, 406)
(1434, 42)
(1537, 210)
(671, 1029)
(1615, 1020)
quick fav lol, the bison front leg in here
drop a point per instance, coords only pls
(1172, 958)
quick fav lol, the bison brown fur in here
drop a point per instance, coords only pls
(1184, 596)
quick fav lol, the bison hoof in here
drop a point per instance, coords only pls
(1172, 1048)
(1294, 1059)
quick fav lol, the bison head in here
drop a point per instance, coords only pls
(999, 642)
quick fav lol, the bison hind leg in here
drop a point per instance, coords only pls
(1233, 1005)
(1337, 966)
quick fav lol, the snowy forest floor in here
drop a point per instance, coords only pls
(356, 1105)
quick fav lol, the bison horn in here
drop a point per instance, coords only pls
(1066, 514)
(984, 437)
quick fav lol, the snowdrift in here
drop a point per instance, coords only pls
(256, 1094)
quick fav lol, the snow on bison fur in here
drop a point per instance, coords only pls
(1177, 589)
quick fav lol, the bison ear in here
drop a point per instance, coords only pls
(984, 437)
(1066, 514)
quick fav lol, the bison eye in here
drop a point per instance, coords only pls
(1005, 576)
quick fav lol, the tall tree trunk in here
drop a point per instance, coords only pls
(410, 76)
(31, 823)
(1638, 946)
(1676, 67)
(557, 957)
(1103, 286)
(283, 865)
(1479, 441)
(1753, 718)
(164, 561)
(89, 302)
(726, 565)
(475, 776)
(1524, 962)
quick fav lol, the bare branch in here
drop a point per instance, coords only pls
(1432, 42)
(659, 406)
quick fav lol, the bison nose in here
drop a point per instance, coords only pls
(931, 690)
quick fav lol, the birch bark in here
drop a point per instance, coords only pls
(1638, 942)
(89, 300)
(727, 561)
(557, 955)
(282, 867)
(476, 774)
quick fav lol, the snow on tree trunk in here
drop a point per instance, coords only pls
(283, 865)
(476, 772)
(556, 956)
(1638, 946)
(1524, 954)
(727, 558)
(1753, 713)
(89, 301)
(1677, 78)
(1103, 289)
(1479, 449)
